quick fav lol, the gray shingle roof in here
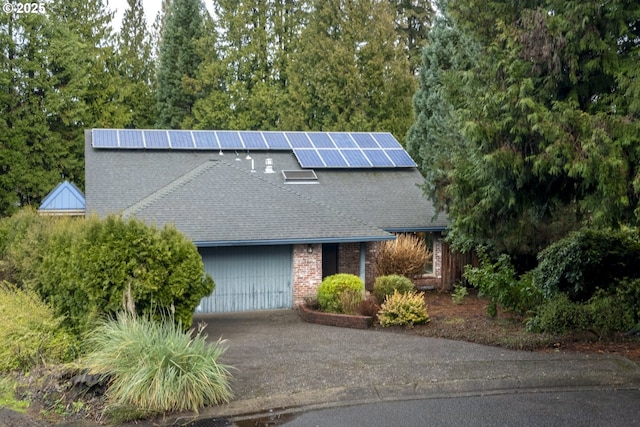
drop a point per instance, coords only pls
(218, 200)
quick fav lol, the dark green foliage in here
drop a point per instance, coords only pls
(538, 137)
(386, 285)
(86, 269)
(499, 282)
(604, 314)
(332, 288)
(178, 60)
(588, 260)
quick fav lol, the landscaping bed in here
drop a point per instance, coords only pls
(469, 321)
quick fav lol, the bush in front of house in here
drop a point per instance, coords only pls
(499, 282)
(88, 268)
(30, 334)
(607, 312)
(407, 256)
(155, 367)
(406, 309)
(386, 285)
(340, 293)
(588, 260)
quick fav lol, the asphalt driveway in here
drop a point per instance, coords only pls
(283, 362)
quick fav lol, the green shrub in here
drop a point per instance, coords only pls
(407, 255)
(84, 267)
(156, 367)
(403, 309)
(604, 314)
(332, 288)
(458, 294)
(498, 282)
(30, 334)
(586, 261)
(386, 285)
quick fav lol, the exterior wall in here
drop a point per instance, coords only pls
(307, 271)
(433, 280)
(349, 258)
(370, 264)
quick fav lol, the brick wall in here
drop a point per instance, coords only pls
(433, 280)
(349, 258)
(307, 271)
(370, 264)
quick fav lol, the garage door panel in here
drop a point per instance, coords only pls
(248, 278)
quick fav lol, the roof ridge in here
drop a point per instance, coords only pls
(181, 181)
(290, 190)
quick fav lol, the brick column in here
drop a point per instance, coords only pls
(307, 271)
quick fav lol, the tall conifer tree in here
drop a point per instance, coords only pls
(178, 60)
(136, 67)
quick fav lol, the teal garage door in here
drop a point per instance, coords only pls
(248, 278)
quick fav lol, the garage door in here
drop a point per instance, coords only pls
(248, 278)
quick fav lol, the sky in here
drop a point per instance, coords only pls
(151, 9)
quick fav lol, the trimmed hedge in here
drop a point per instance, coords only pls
(335, 291)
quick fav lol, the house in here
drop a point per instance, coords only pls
(65, 199)
(271, 213)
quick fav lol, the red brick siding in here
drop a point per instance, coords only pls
(349, 258)
(307, 271)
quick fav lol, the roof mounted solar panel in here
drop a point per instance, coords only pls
(276, 140)
(229, 140)
(321, 140)
(309, 158)
(206, 140)
(104, 138)
(364, 140)
(343, 140)
(355, 158)
(130, 138)
(333, 159)
(156, 139)
(253, 140)
(400, 158)
(378, 158)
(386, 140)
(181, 139)
(298, 140)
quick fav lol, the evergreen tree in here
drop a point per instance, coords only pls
(178, 60)
(349, 72)
(434, 140)
(136, 67)
(552, 140)
(245, 76)
(413, 19)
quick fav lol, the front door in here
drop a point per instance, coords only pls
(329, 259)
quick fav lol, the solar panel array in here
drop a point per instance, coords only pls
(312, 149)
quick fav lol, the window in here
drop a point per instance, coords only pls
(428, 238)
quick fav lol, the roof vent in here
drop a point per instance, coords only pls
(268, 165)
(304, 176)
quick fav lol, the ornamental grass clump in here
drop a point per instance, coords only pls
(407, 256)
(154, 367)
(403, 310)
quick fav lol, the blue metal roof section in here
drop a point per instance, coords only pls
(65, 197)
(320, 150)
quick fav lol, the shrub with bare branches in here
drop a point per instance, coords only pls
(406, 256)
